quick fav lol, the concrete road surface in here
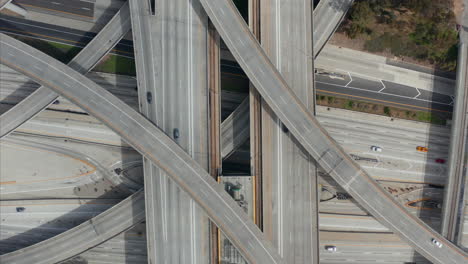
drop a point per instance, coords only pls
(147, 139)
(78, 8)
(68, 244)
(83, 62)
(329, 155)
(328, 15)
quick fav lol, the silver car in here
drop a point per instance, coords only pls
(330, 248)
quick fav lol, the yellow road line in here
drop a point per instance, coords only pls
(7, 182)
(168, 170)
(385, 101)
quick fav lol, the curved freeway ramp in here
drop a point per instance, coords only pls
(43, 97)
(315, 139)
(327, 17)
(107, 38)
(150, 141)
(89, 234)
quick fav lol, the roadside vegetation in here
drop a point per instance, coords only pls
(65, 53)
(423, 30)
(379, 109)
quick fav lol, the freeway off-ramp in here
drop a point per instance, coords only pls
(349, 85)
(83, 62)
(305, 128)
(327, 17)
(149, 141)
(316, 140)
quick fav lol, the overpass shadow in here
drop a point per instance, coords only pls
(101, 193)
(424, 199)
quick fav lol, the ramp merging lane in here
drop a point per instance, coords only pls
(327, 17)
(148, 140)
(315, 139)
(102, 44)
(173, 159)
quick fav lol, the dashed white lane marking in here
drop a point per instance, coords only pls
(383, 86)
(350, 79)
(419, 93)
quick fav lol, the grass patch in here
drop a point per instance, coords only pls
(65, 53)
(117, 65)
(429, 118)
(349, 105)
(379, 109)
(61, 52)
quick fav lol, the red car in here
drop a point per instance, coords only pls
(440, 161)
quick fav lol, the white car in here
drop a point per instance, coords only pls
(330, 248)
(437, 243)
(376, 148)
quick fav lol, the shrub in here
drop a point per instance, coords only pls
(387, 110)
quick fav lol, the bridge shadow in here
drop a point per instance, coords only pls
(428, 204)
(101, 194)
(22, 91)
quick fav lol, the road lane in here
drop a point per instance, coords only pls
(148, 140)
(83, 62)
(329, 155)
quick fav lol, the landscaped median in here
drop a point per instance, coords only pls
(380, 109)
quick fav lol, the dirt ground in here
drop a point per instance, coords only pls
(458, 9)
(342, 40)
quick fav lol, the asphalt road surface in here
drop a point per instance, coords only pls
(337, 84)
(148, 140)
(328, 154)
(64, 35)
(83, 62)
(84, 9)
(382, 92)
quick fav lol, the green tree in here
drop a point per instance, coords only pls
(361, 15)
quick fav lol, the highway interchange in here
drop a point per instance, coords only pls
(356, 86)
(421, 168)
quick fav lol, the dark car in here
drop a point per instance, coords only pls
(442, 161)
